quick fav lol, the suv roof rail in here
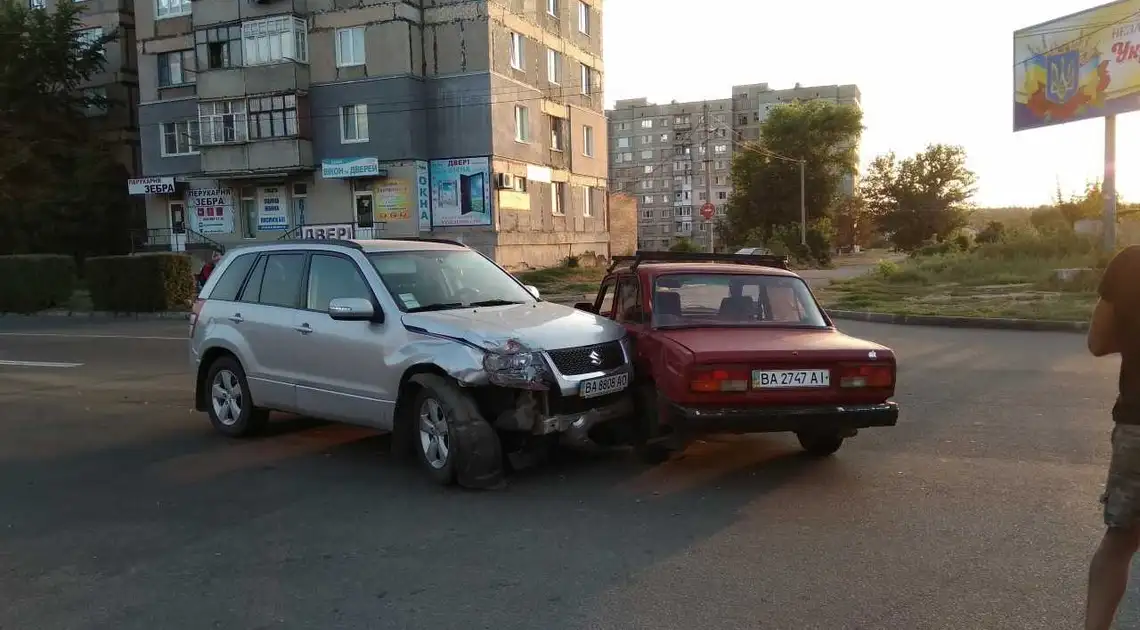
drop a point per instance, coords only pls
(760, 260)
(316, 241)
(445, 241)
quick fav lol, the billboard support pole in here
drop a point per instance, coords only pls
(1108, 188)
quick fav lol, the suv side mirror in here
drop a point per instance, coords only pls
(533, 290)
(585, 306)
(352, 310)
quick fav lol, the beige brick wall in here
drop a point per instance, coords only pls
(623, 224)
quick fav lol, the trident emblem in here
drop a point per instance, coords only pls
(1061, 81)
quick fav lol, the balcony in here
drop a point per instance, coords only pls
(278, 154)
(241, 82)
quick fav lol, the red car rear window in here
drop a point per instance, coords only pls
(733, 299)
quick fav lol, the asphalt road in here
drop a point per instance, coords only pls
(119, 508)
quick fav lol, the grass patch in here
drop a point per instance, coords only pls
(1015, 278)
(563, 280)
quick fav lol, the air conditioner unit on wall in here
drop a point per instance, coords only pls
(504, 181)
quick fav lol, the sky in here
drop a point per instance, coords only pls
(928, 71)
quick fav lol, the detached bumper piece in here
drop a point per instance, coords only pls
(574, 417)
(830, 418)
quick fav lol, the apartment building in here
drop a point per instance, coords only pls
(667, 155)
(118, 81)
(480, 120)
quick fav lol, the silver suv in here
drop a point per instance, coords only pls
(425, 338)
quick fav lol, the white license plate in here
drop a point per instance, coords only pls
(603, 385)
(790, 379)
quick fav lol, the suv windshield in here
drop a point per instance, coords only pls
(446, 279)
(709, 299)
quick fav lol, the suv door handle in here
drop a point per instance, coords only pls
(237, 318)
(304, 329)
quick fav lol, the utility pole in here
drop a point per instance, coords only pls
(708, 173)
(1108, 188)
(803, 206)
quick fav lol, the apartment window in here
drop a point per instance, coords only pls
(275, 39)
(90, 37)
(587, 201)
(552, 7)
(218, 48)
(353, 124)
(557, 133)
(648, 168)
(516, 51)
(647, 155)
(626, 157)
(647, 199)
(647, 184)
(583, 18)
(176, 68)
(587, 79)
(222, 121)
(522, 124)
(664, 137)
(647, 214)
(720, 148)
(587, 141)
(180, 138)
(701, 196)
(623, 143)
(35, 4)
(165, 8)
(722, 195)
(350, 47)
(273, 116)
(647, 123)
(558, 198)
(553, 66)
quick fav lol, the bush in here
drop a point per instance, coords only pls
(34, 282)
(142, 283)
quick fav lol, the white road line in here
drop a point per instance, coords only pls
(88, 336)
(44, 364)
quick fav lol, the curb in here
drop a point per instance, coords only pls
(991, 323)
(161, 315)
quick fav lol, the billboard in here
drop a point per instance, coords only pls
(393, 199)
(460, 192)
(1081, 66)
(211, 210)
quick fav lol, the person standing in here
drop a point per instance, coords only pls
(1115, 328)
(208, 269)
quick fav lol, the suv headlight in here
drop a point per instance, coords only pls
(512, 366)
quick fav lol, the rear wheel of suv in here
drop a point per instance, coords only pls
(820, 444)
(229, 403)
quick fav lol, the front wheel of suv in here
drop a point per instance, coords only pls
(229, 403)
(453, 441)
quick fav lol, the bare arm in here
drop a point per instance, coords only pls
(1102, 330)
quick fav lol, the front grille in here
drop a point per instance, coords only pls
(574, 361)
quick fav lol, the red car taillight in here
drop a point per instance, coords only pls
(194, 311)
(871, 375)
(720, 379)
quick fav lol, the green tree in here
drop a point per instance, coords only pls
(766, 175)
(61, 189)
(684, 245)
(852, 221)
(922, 197)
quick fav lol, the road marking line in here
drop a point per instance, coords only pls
(89, 336)
(47, 364)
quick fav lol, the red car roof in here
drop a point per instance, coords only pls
(658, 268)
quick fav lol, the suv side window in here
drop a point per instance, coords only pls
(605, 300)
(230, 283)
(252, 291)
(627, 305)
(332, 277)
(281, 282)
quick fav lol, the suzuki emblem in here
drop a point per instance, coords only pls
(595, 357)
(872, 355)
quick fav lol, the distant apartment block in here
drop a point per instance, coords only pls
(481, 120)
(658, 154)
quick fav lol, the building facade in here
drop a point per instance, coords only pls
(671, 157)
(118, 82)
(480, 120)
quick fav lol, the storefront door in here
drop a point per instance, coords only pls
(178, 226)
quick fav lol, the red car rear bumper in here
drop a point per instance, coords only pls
(777, 419)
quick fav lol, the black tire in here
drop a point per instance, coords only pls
(820, 444)
(250, 419)
(647, 427)
(474, 456)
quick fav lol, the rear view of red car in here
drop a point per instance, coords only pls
(738, 344)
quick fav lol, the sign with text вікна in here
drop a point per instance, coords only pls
(211, 210)
(461, 192)
(271, 216)
(1081, 66)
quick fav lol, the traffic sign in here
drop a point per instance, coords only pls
(707, 211)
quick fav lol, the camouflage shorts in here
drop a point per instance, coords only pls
(1121, 496)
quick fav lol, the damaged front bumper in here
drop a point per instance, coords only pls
(555, 412)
